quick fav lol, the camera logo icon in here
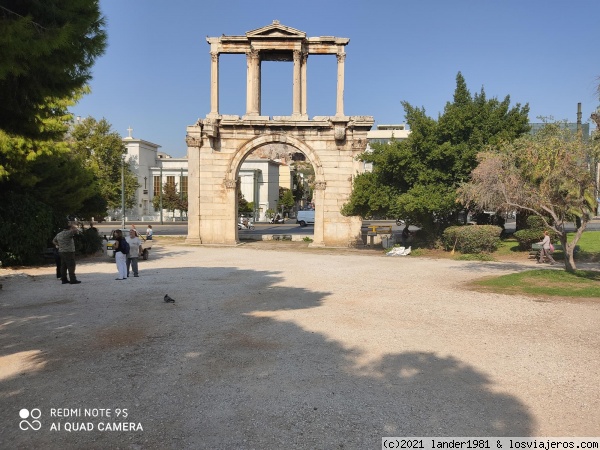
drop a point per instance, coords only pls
(34, 424)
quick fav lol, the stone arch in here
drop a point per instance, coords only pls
(274, 138)
(279, 138)
(218, 144)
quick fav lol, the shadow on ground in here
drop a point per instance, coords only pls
(218, 370)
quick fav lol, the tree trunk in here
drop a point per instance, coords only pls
(569, 260)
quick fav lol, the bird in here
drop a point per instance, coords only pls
(169, 299)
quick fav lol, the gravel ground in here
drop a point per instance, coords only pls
(271, 349)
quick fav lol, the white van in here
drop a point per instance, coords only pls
(306, 217)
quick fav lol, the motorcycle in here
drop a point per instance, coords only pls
(277, 219)
(245, 224)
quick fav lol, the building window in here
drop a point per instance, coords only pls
(156, 186)
(171, 180)
(184, 185)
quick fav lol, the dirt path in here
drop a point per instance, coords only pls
(270, 349)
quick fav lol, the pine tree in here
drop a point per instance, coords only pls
(47, 50)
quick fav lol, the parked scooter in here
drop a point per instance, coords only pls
(277, 219)
(245, 224)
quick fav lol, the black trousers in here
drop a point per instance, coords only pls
(67, 264)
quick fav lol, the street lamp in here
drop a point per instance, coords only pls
(123, 192)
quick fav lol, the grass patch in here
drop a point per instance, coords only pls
(550, 283)
(475, 257)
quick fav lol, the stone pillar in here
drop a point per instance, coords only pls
(297, 83)
(257, 85)
(253, 83)
(339, 110)
(214, 83)
(194, 142)
(303, 105)
(319, 227)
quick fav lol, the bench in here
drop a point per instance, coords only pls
(374, 230)
(535, 248)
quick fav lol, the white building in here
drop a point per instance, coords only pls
(259, 181)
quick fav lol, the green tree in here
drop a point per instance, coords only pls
(171, 199)
(102, 150)
(416, 179)
(49, 179)
(547, 174)
(286, 199)
(47, 50)
(244, 207)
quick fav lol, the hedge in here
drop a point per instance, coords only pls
(472, 238)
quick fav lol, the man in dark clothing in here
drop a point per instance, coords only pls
(66, 249)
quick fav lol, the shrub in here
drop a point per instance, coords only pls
(472, 238)
(88, 241)
(533, 233)
(527, 237)
(25, 227)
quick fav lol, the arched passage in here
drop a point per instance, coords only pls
(278, 138)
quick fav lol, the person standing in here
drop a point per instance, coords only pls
(405, 235)
(135, 248)
(120, 249)
(66, 250)
(149, 233)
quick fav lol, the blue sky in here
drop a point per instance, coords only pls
(155, 74)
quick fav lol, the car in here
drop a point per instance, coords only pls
(146, 244)
(305, 217)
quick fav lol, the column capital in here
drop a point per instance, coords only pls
(340, 57)
(253, 53)
(214, 56)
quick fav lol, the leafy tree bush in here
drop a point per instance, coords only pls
(472, 238)
(88, 241)
(545, 174)
(416, 178)
(47, 50)
(22, 241)
(534, 232)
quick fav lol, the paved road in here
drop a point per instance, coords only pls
(180, 228)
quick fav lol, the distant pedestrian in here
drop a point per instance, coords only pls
(405, 235)
(120, 249)
(66, 250)
(546, 250)
(135, 248)
(149, 233)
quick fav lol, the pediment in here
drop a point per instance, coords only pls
(276, 30)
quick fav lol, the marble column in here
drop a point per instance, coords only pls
(339, 110)
(253, 83)
(303, 104)
(214, 83)
(297, 83)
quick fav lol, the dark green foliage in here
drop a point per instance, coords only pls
(171, 199)
(88, 241)
(244, 207)
(472, 238)
(25, 228)
(47, 49)
(416, 179)
(533, 233)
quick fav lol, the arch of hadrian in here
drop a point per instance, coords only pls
(218, 144)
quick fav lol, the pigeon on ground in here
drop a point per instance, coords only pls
(169, 299)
